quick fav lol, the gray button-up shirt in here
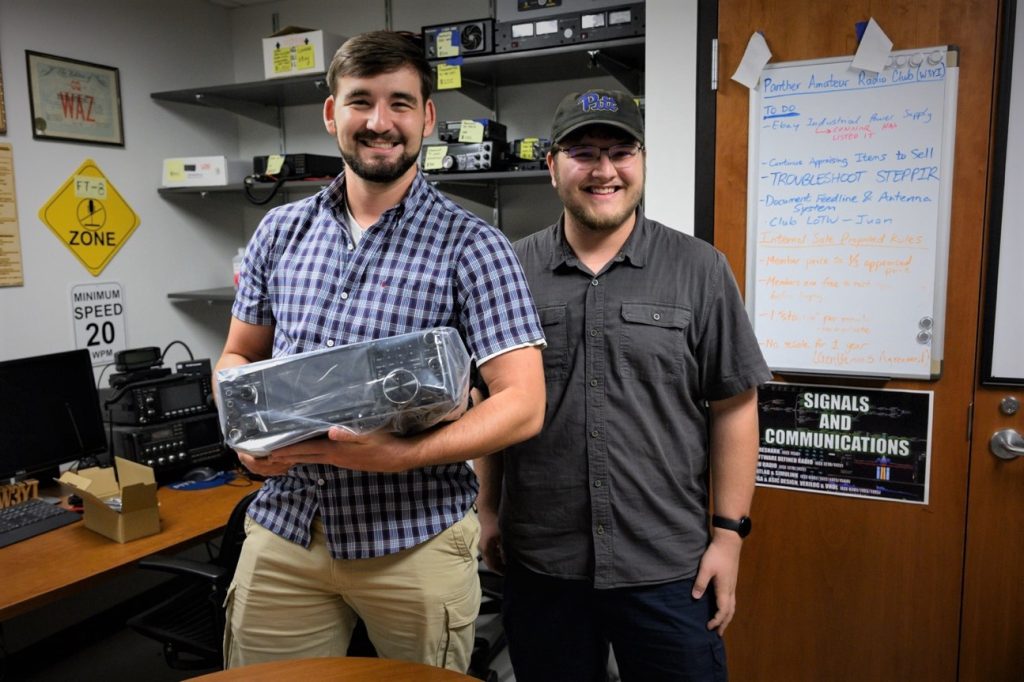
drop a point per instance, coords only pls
(614, 489)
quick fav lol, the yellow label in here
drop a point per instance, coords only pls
(305, 57)
(471, 131)
(444, 45)
(274, 163)
(434, 156)
(174, 171)
(449, 77)
(282, 60)
(526, 147)
(90, 217)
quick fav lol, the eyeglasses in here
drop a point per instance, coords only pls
(590, 155)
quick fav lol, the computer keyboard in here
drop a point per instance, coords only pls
(29, 519)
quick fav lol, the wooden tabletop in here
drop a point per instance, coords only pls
(349, 669)
(63, 561)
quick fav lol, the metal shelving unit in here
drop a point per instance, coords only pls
(262, 101)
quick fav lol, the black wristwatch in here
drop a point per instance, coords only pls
(741, 527)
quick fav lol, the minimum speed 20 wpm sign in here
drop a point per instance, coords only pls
(97, 311)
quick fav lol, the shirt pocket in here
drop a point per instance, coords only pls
(653, 341)
(556, 334)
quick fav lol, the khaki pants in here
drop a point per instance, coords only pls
(419, 604)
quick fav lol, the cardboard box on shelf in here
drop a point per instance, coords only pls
(134, 485)
(295, 51)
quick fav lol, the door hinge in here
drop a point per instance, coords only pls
(714, 64)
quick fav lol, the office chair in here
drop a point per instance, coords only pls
(190, 624)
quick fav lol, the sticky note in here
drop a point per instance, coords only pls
(446, 45)
(174, 171)
(305, 57)
(471, 131)
(282, 60)
(526, 147)
(449, 77)
(274, 163)
(434, 157)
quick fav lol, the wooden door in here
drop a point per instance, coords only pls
(992, 646)
(835, 588)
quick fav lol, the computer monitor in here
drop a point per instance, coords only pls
(49, 413)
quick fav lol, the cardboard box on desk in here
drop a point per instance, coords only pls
(139, 515)
(295, 51)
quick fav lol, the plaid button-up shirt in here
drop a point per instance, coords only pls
(425, 263)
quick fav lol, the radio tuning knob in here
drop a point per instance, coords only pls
(247, 393)
(235, 435)
(400, 386)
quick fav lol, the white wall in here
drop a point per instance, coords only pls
(671, 111)
(156, 46)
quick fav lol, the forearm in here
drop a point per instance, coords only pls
(490, 469)
(733, 453)
(510, 415)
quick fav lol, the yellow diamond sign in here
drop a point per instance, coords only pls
(90, 217)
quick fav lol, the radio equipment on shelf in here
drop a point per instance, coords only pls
(452, 131)
(537, 28)
(479, 156)
(475, 36)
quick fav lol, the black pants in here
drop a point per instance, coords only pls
(559, 630)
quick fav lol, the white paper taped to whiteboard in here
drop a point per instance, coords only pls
(848, 208)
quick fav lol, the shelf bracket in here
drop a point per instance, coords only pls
(258, 112)
(624, 73)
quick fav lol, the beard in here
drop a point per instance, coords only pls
(379, 170)
(595, 221)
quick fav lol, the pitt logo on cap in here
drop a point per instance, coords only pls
(591, 101)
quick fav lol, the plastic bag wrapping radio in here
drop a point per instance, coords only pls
(404, 383)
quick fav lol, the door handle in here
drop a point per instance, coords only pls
(1006, 444)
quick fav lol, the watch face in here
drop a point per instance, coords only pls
(744, 527)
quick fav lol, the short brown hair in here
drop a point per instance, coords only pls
(376, 52)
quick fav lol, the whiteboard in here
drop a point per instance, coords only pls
(1002, 359)
(848, 210)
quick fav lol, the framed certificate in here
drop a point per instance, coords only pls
(74, 101)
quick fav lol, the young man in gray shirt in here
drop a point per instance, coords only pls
(651, 368)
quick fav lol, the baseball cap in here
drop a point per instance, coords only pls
(597, 107)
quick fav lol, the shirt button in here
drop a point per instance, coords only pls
(600, 529)
(597, 483)
(330, 343)
(593, 332)
(351, 247)
(344, 295)
(320, 481)
(594, 282)
(656, 316)
(593, 382)
(595, 433)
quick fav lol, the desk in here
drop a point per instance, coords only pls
(63, 561)
(349, 669)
